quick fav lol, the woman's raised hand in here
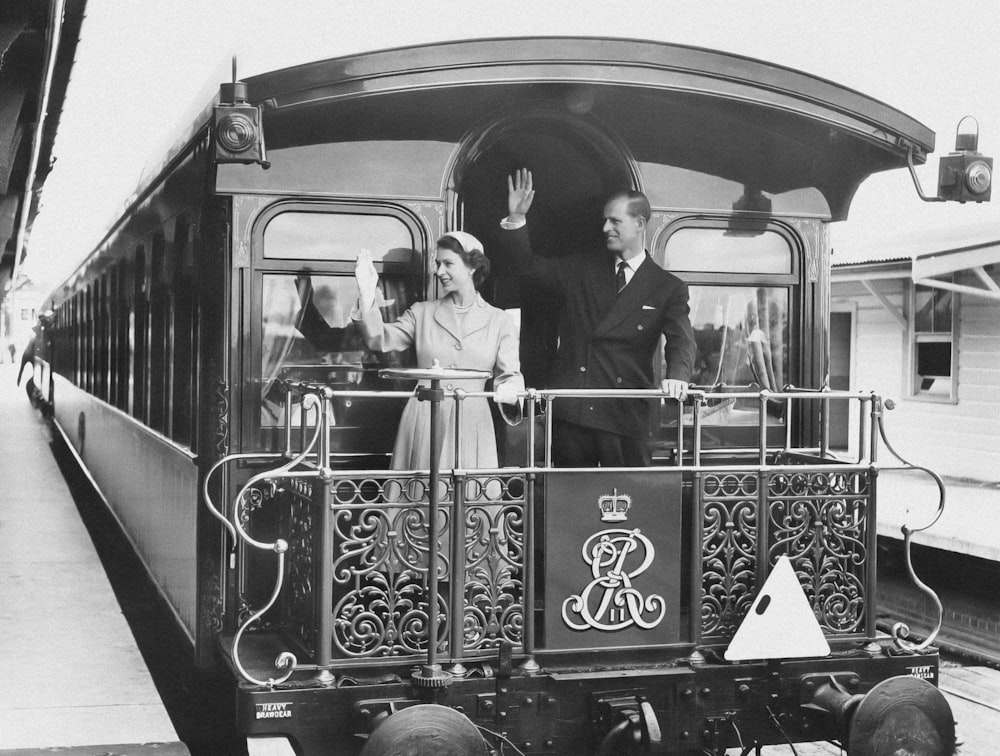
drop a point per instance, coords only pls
(519, 195)
(367, 278)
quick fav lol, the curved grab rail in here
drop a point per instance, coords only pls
(285, 660)
(207, 497)
(900, 630)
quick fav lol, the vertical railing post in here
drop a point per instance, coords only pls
(531, 428)
(548, 431)
(288, 421)
(324, 578)
(762, 427)
(824, 426)
(455, 601)
(697, 402)
(680, 432)
(873, 429)
(871, 576)
(697, 569)
(788, 425)
(529, 665)
(456, 605)
(431, 672)
(763, 483)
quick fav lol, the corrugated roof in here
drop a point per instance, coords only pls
(914, 243)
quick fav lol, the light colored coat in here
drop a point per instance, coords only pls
(483, 338)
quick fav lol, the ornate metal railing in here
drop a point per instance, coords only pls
(822, 520)
(354, 582)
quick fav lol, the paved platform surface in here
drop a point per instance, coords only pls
(968, 525)
(74, 679)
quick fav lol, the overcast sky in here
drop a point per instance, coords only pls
(143, 70)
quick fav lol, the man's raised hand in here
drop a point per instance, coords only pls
(519, 195)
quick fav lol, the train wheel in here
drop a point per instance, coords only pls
(426, 730)
(902, 716)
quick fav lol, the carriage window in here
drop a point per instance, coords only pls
(740, 280)
(933, 343)
(307, 334)
(335, 236)
(742, 337)
(721, 250)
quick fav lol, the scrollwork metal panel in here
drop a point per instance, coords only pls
(300, 601)
(381, 559)
(729, 551)
(820, 520)
(494, 560)
(380, 565)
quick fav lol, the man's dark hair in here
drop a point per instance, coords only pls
(638, 205)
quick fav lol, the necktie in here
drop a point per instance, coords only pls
(620, 275)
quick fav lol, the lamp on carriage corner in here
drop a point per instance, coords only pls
(965, 175)
(238, 135)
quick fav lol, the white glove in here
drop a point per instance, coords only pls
(505, 393)
(367, 278)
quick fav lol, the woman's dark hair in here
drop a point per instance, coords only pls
(476, 260)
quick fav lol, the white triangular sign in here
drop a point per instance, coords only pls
(780, 623)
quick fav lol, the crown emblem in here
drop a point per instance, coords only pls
(614, 507)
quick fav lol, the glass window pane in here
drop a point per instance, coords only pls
(923, 308)
(932, 310)
(338, 236)
(307, 334)
(742, 338)
(714, 250)
(942, 311)
(934, 359)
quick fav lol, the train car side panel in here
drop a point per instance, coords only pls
(154, 502)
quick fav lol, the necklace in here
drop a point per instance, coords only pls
(463, 308)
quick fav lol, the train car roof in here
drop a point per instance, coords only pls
(735, 117)
(582, 58)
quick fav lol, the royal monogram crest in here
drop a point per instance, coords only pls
(610, 601)
(614, 507)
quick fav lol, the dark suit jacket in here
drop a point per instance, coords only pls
(608, 340)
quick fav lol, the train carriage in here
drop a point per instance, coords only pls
(243, 445)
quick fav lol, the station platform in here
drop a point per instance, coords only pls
(968, 525)
(75, 681)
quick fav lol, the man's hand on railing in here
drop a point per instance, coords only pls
(674, 388)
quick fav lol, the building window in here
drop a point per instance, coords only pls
(934, 358)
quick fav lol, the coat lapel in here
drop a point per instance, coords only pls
(475, 319)
(444, 316)
(631, 298)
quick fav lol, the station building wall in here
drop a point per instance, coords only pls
(959, 438)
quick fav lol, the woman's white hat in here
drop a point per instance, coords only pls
(468, 241)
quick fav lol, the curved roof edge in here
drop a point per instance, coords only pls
(290, 85)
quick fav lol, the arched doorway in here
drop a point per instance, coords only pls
(575, 165)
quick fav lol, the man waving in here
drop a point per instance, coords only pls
(616, 305)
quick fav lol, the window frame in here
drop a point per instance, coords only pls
(800, 342)
(255, 434)
(915, 337)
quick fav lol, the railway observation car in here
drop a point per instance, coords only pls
(245, 454)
